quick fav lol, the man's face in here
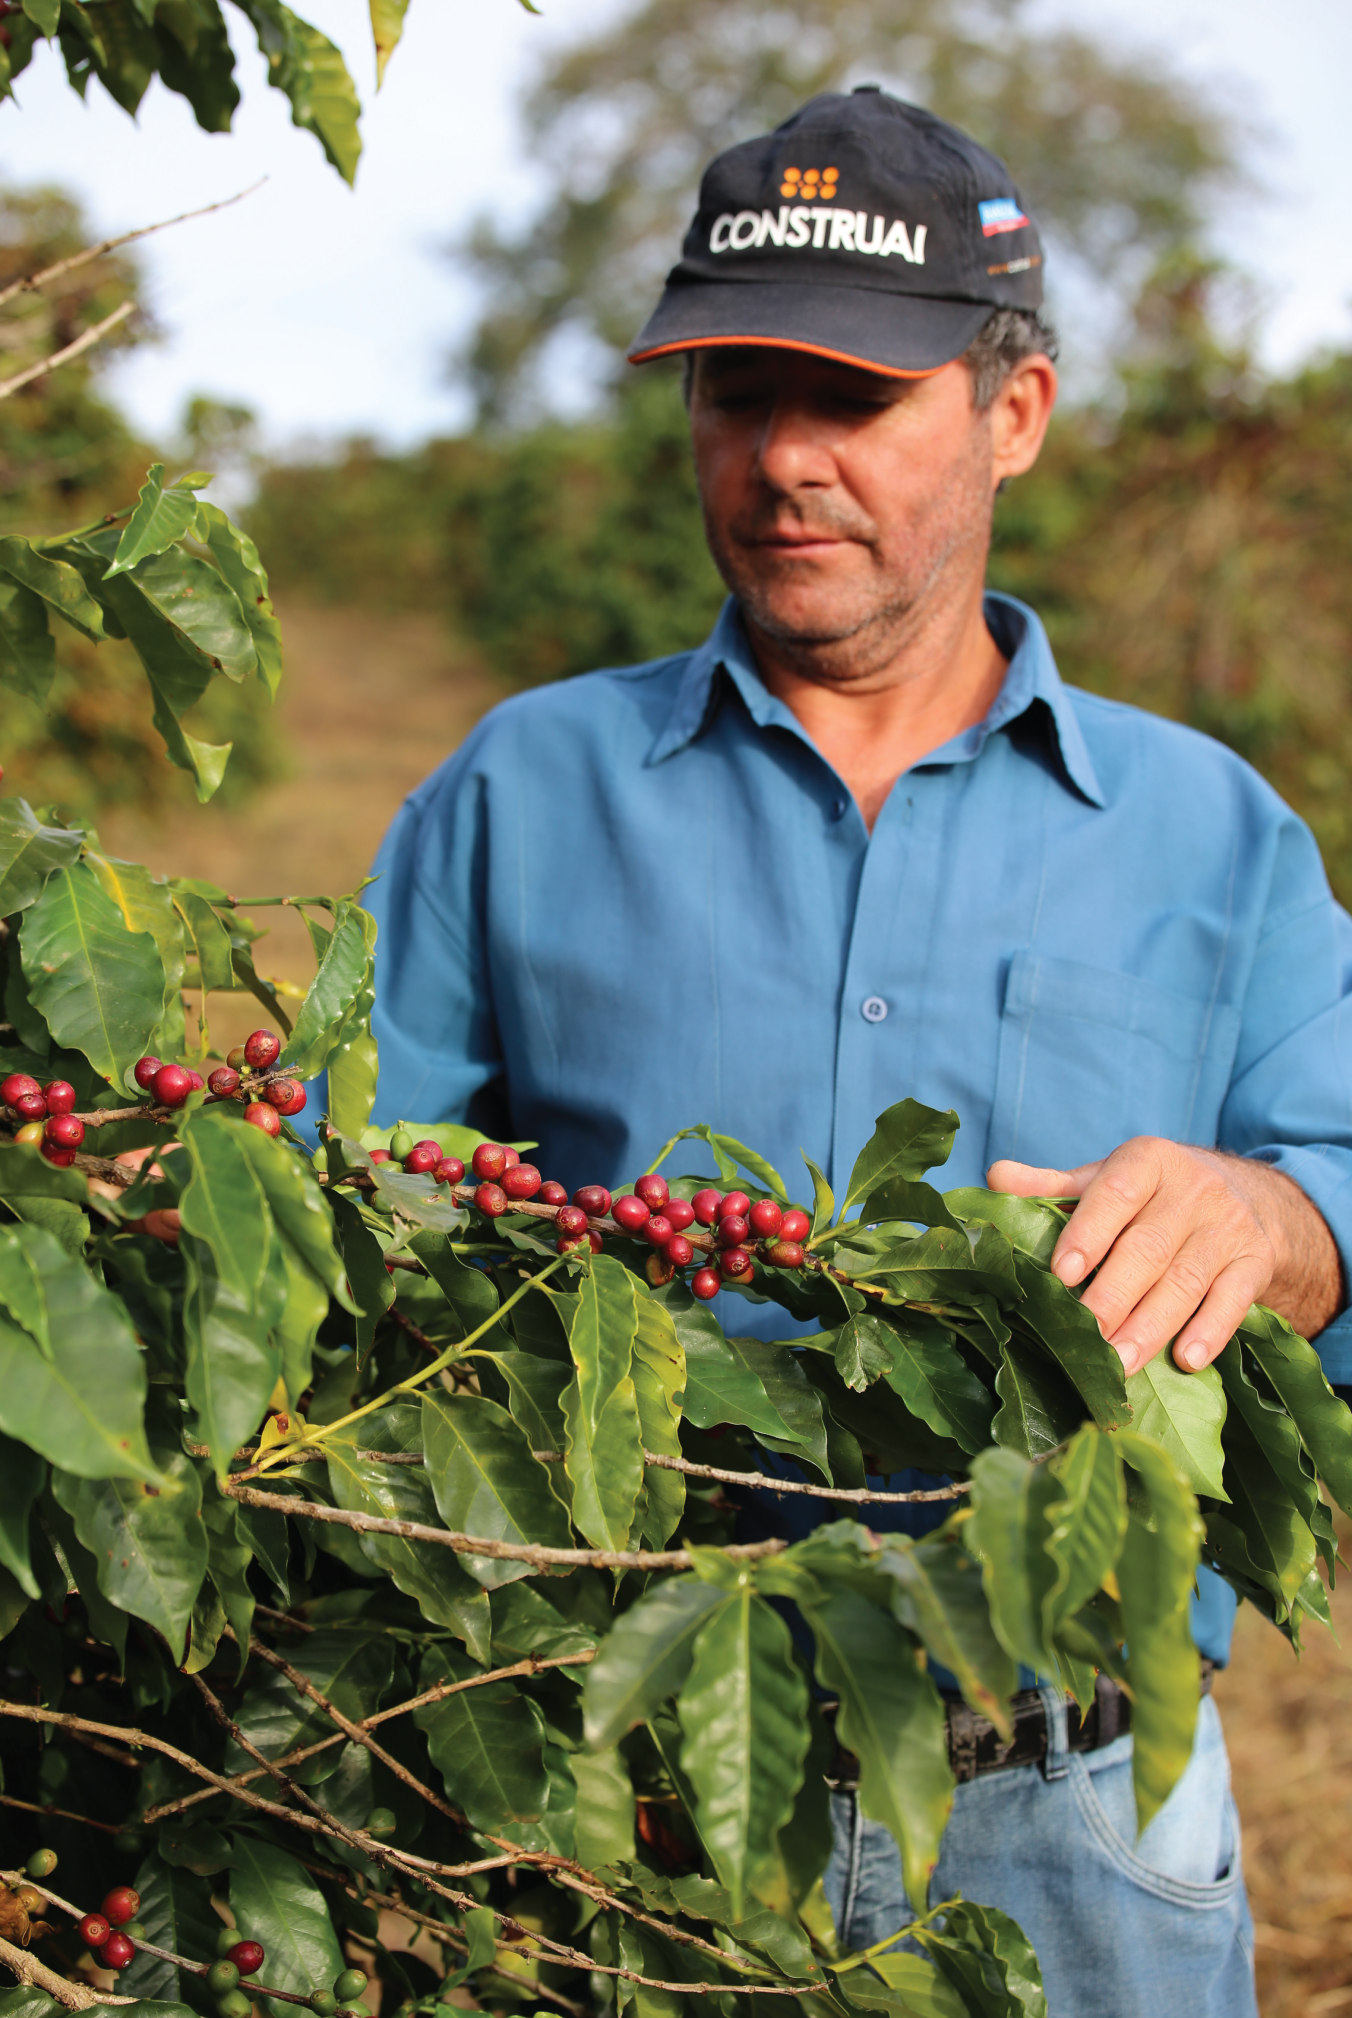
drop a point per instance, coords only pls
(838, 502)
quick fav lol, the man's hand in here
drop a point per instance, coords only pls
(1184, 1241)
(164, 1223)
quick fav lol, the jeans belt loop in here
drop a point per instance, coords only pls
(1056, 1763)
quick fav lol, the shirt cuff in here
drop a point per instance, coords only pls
(1323, 1170)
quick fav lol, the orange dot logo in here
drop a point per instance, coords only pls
(807, 185)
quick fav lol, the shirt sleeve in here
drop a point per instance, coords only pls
(1290, 1099)
(434, 1020)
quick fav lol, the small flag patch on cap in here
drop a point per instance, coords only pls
(1000, 213)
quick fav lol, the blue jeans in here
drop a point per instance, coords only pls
(1158, 1928)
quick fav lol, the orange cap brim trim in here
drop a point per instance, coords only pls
(783, 343)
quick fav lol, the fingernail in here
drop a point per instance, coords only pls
(1069, 1267)
(1196, 1355)
(1128, 1354)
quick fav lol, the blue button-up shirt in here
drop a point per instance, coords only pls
(643, 898)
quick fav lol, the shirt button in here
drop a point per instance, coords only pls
(839, 808)
(873, 1009)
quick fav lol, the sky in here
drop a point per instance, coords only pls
(330, 312)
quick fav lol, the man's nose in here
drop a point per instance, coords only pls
(792, 450)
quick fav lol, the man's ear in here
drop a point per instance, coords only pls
(1019, 417)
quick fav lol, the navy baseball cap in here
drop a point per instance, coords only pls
(862, 229)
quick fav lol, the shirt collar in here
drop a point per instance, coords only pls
(1031, 677)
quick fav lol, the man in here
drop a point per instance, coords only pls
(863, 843)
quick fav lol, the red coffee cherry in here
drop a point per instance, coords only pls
(796, 1225)
(144, 1071)
(571, 1220)
(261, 1050)
(705, 1284)
(450, 1170)
(62, 1158)
(489, 1161)
(64, 1131)
(223, 1082)
(658, 1230)
(491, 1200)
(380, 1156)
(247, 1956)
(30, 1107)
(171, 1085)
(594, 1200)
(235, 1058)
(785, 1254)
(596, 1241)
(658, 1270)
(705, 1206)
(17, 1087)
(513, 1158)
(765, 1219)
(731, 1232)
(59, 1095)
(30, 1132)
(121, 1905)
(281, 1093)
(652, 1189)
(735, 1263)
(629, 1212)
(680, 1212)
(261, 1115)
(551, 1193)
(296, 1102)
(422, 1156)
(93, 1930)
(679, 1252)
(199, 1084)
(734, 1204)
(523, 1180)
(116, 1952)
(569, 1243)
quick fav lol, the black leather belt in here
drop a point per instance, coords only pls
(975, 1746)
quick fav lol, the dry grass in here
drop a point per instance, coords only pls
(370, 704)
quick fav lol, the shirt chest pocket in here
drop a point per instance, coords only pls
(1089, 1058)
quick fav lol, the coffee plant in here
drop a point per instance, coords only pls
(372, 1603)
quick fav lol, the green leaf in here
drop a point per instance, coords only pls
(1279, 1450)
(1009, 1529)
(210, 940)
(148, 1540)
(44, 14)
(177, 1914)
(27, 647)
(201, 609)
(645, 1658)
(387, 25)
(988, 1959)
(1155, 1575)
(1272, 1506)
(197, 61)
(754, 1165)
(823, 1199)
(918, 1359)
(1039, 1407)
(55, 581)
(908, 1139)
(604, 1820)
(938, 1594)
(1182, 1413)
(99, 987)
(22, 1477)
(178, 674)
(892, 1719)
(1324, 1422)
(783, 1379)
(720, 1387)
(1072, 1336)
(21, 1291)
(901, 1198)
(364, 1268)
(83, 1406)
(310, 70)
(237, 558)
(1029, 1224)
(603, 1448)
(487, 1744)
(1088, 1524)
(282, 1907)
(29, 852)
(486, 1481)
(925, 1992)
(743, 1712)
(353, 1669)
(147, 905)
(428, 1572)
(354, 1064)
(341, 976)
(162, 515)
(658, 1370)
(301, 1211)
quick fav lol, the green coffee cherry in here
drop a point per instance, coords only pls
(127, 1842)
(226, 1939)
(234, 2004)
(400, 1143)
(324, 2002)
(380, 1822)
(349, 1985)
(41, 1864)
(222, 1976)
(134, 1931)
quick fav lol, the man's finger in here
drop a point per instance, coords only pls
(1120, 1189)
(1027, 1180)
(1167, 1300)
(1224, 1310)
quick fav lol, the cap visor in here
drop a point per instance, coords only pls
(904, 335)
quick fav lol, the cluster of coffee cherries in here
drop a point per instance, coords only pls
(43, 1114)
(236, 1959)
(740, 1230)
(170, 1085)
(113, 1930)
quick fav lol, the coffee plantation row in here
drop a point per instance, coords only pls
(371, 1588)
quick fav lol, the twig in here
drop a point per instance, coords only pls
(283, 1618)
(31, 282)
(75, 1996)
(63, 1814)
(85, 341)
(763, 1481)
(481, 1545)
